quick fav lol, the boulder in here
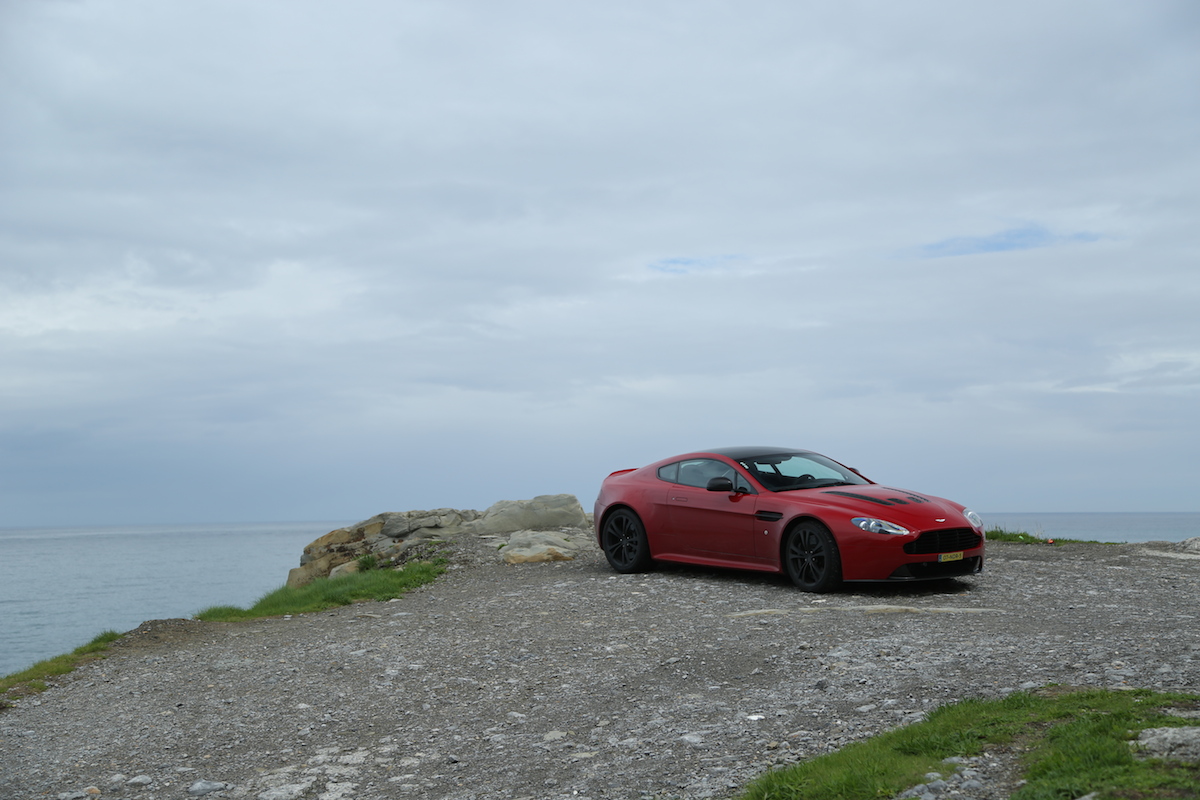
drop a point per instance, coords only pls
(1191, 545)
(545, 512)
(401, 525)
(527, 547)
(342, 540)
(315, 568)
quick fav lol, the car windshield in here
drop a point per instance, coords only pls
(785, 472)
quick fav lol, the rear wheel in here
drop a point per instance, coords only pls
(624, 541)
(811, 559)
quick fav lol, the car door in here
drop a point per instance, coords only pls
(712, 524)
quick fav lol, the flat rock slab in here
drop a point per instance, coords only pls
(1174, 744)
(528, 547)
(565, 679)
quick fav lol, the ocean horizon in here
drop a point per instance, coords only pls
(66, 585)
(1100, 526)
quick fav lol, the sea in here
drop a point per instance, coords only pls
(62, 587)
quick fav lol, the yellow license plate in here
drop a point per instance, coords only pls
(950, 557)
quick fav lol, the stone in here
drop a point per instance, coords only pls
(289, 791)
(401, 525)
(318, 568)
(332, 539)
(544, 512)
(1191, 545)
(349, 568)
(527, 547)
(1172, 744)
(205, 787)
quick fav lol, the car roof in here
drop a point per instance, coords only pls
(741, 453)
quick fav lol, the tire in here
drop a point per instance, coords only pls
(624, 541)
(811, 558)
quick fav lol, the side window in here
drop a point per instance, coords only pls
(699, 471)
(669, 473)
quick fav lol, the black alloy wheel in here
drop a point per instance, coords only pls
(624, 541)
(811, 559)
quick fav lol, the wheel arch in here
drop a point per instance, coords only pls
(608, 512)
(791, 526)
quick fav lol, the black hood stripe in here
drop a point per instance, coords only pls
(908, 497)
(875, 500)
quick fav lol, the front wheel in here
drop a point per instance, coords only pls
(811, 559)
(624, 541)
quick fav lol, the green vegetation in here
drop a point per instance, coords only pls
(323, 593)
(33, 680)
(1001, 535)
(1072, 743)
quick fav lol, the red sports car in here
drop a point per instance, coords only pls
(781, 510)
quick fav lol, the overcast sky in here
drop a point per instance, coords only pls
(291, 260)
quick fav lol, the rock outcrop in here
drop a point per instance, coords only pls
(546, 528)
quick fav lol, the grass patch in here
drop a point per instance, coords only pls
(323, 593)
(33, 679)
(1021, 537)
(1072, 743)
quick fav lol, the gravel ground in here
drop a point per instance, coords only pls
(567, 680)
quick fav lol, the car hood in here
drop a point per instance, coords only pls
(912, 510)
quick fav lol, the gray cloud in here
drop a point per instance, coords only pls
(303, 261)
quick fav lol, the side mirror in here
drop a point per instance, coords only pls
(720, 485)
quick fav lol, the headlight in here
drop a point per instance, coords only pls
(973, 518)
(879, 526)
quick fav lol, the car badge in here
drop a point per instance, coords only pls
(941, 520)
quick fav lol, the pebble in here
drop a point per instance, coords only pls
(986, 777)
(200, 788)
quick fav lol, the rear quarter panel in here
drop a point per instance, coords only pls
(640, 490)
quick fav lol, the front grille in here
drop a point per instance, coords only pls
(945, 541)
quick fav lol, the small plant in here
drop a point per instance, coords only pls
(367, 562)
(33, 679)
(323, 593)
(1021, 537)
